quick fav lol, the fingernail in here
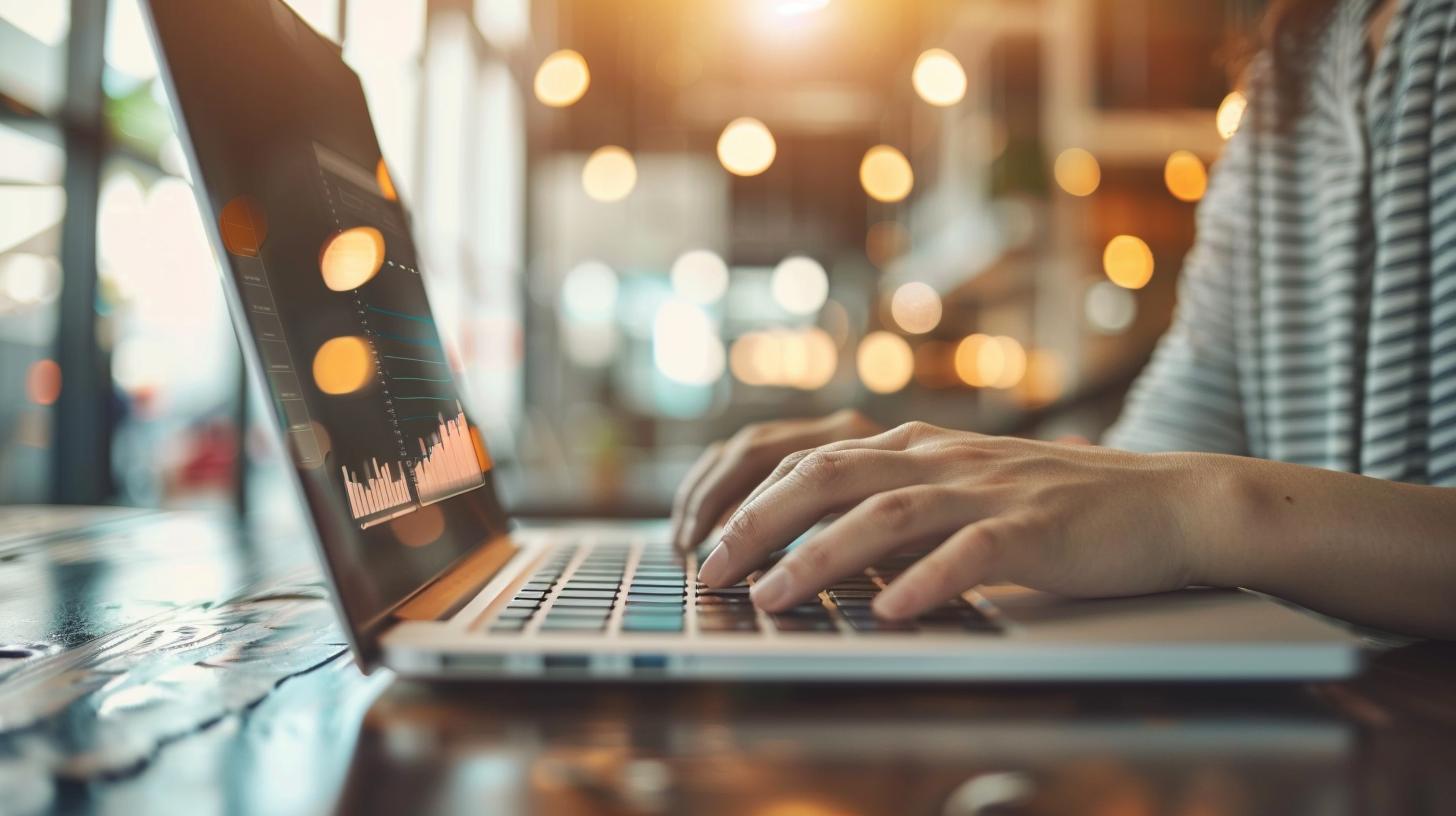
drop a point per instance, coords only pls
(770, 589)
(715, 567)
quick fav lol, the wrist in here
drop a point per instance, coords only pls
(1219, 513)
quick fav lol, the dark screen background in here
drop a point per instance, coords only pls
(260, 93)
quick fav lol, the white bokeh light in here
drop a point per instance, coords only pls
(800, 285)
(685, 344)
(700, 276)
(589, 293)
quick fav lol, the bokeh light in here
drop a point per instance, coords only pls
(794, 358)
(342, 365)
(1012, 357)
(885, 362)
(609, 174)
(746, 147)
(1185, 175)
(1109, 308)
(1045, 380)
(800, 285)
(43, 382)
(589, 293)
(939, 78)
(1077, 171)
(27, 279)
(916, 307)
(1230, 114)
(685, 344)
(421, 528)
(885, 174)
(244, 226)
(1128, 262)
(700, 276)
(352, 258)
(562, 79)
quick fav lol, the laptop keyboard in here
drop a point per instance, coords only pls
(622, 586)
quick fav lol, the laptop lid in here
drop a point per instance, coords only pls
(325, 289)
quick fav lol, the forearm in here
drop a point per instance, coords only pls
(1367, 550)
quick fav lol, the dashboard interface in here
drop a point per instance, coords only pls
(326, 282)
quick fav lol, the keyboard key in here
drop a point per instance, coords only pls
(583, 603)
(650, 581)
(642, 598)
(581, 625)
(572, 592)
(648, 589)
(524, 603)
(717, 600)
(875, 625)
(652, 623)
(724, 592)
(515, 614)
(530, 594)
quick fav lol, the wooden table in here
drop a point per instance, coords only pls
(198, 672)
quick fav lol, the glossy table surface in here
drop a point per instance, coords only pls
(188, 670)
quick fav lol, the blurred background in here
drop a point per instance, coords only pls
(645, 223)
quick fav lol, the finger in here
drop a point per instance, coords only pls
(729, 478)
(966, 560)
(819, 483)
(685, 490)
(864, 535)
(894, 439)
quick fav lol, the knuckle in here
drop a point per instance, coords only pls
(894, 510)
(808, 564)
(819, 467)
(788, 463)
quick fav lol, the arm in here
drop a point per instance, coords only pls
(1092, 522)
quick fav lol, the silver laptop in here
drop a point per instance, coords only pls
(430, 575)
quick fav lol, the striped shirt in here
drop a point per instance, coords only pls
(1316, 321)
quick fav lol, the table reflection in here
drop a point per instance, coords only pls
(564, 749)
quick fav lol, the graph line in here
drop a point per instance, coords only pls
(412, 359)
(437, 399)
(393, 313)
(423, 379)
(413, 342)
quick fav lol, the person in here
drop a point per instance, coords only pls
(1294, 433)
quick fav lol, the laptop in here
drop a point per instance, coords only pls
(431, 576)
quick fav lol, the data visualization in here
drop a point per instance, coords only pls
(413, 445)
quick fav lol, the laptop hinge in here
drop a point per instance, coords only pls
(450, 592)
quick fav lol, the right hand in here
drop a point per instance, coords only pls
(727, 471)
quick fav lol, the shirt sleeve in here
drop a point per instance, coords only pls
(1188, 398)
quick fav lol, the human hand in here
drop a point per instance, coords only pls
(1071, 519)
(727, 470)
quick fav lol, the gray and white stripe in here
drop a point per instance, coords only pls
(1317, 312)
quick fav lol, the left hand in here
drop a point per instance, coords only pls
(1071, 519)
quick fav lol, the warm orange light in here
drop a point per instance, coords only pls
(562, 79)
(746, 147)
(352, 258)
(1128, 262)
(386, 183)
(1077, 171)
(244, 226)
(1230, 114)
(939, 78)
(342, 365)
(886, 174)
(1045, 379)
(968, 360)
(1012, 366)
(43, 382)
(885, 362)
(1185, 175)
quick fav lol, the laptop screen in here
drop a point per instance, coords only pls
(323, 279)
